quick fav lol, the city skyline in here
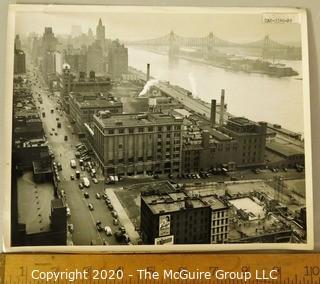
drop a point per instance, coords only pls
(117, 26)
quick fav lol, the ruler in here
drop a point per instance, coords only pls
(293, 268)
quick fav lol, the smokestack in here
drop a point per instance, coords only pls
(222, 108)
(148, 72)
(213, 112)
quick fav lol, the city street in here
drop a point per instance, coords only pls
(83, 220)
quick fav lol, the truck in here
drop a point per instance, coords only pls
(86, 182)
(73, 163)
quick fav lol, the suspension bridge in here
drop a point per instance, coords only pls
(208, 43)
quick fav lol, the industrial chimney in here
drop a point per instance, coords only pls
(222, 108)
(148, 72)
(213, 113)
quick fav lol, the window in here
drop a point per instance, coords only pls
(159, 128)
(150, 128)
(120, 146)
(159, 136)
(131, 130)
(121, 130)
(111, 131)
(140, 129)
(168, 127)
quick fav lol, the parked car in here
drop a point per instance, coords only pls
(98, 196)
(115, 222)
(114, 214)
(95, 180)
(110, 206)
(80, 185)
(86, 195)
(122, 230)
(70, 228)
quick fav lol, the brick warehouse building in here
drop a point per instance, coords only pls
(84, 105)
(130, 144)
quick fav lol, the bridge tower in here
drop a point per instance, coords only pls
(266, 48)
(173, 45)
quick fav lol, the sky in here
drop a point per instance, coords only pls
(144, 25)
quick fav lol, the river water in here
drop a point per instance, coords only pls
(256, 96)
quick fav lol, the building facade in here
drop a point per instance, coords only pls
(251, 139)
(130, 144)
(173, 214)
(117, 59)
(189, 218)
(84, 105)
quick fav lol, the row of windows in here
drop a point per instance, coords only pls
(218, 215)
(219, 230)
(220, 222)
(148, 129)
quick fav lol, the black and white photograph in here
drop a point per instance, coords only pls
(153, 128)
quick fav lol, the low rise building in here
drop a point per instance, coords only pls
(185, 218)
(130, 144)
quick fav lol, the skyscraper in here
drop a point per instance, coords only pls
(101, 35)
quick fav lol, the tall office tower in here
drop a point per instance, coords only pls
(101, 35)
(49, 42)
(17, 43)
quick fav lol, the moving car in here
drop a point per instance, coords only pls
(86, 182)
(90, 206)
(73, 163)
(108, 231)
(99, 226)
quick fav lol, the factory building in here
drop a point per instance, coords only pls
(84, 105)
(130, 144)
(251, 140)
(81, 83)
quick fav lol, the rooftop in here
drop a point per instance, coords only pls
(135, 119)
(214, 202)
(284, 148)
(35, 217)
(165, 202)
(250, 207)
(94, 100)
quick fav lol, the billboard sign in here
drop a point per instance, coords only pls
(168, 240)
(164, 225)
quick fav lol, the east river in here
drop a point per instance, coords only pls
(256, 96)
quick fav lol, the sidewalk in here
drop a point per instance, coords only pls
(123, 217)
